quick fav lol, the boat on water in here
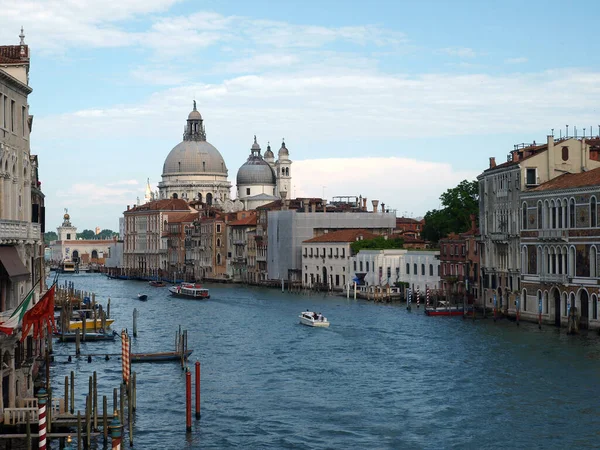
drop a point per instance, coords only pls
(68, 266)
(313, 319)
(157, 283)
(89, 324)
(189, 290)
(89, 337)
(142, 297)
(159, 356)
(444, 308)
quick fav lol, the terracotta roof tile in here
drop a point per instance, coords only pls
(11, 54)
(181, 217)
(246, 221)
(350, 235)
(169, 204)
(570, 180)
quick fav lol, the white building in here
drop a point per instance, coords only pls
(418, 268)
(326, 258)
(194, 169)
(256, 179)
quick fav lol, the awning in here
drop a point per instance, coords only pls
(9, 258)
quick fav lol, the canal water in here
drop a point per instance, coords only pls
(379, 377)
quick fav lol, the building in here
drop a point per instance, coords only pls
(326, 258)
(500, 213)
(195, 169)
(560, 241)
(240, 227)
(178, 234)
(460, 263)
(418, 268)
(409, 227)
(144, 250)
(212, 263)
(22, 215)
(81, 251)
(288, 228)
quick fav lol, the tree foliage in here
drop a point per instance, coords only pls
(455, 215)
(379, 243)
(107, 234)
(86, 234)
(50, 236)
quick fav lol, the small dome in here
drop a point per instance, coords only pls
(283, 150)
(269, 154)
(66, 216)
(195, 115)
(255, 171)
(255, 146)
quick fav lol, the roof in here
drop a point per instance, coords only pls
(570, 180)
(246, 221)
(182, 217)
(168, 204)
(11, 54)
(343, 236)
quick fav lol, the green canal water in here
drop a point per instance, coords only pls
(379, 377)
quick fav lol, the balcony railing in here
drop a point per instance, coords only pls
(554, 235)
(499, 236)
(239, 242)
(19, 230)
(554, 278)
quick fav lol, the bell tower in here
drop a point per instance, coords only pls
(283, 171)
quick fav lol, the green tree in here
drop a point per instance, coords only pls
(86, 234)
(455, 216)
(107, 234)
(50, 236)
(378, 243)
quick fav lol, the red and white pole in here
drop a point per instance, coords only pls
(42, 399)
(197, 389)
(115, 432)
(125, 356)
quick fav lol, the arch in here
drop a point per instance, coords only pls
(218, 242)
(593, 212)
(555, 295)
(594, 307)
(571, 213)
(593, 260)
(94, 254)
(584, 308)
(174, 195)
(325, 274)
(218, 259)
(539, 215)
(209, 199)
(200, 197)
(545, 303)
(571, 261)
(75, 255)
(524, 265)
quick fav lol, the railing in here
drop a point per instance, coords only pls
(18, 416)
(554, 234)
(261, 258)
(553, 278)
(239, 242)
(499, 236)
(18, 229)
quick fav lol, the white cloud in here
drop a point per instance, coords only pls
(461, 52)
(95, 194)
(400, 183)
(519, 60)
(124, 183)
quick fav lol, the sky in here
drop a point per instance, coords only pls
(392, 100)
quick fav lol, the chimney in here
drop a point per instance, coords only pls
(324, 206)
(382, 207)
(550, 157)
(492, 162)
(364, 205)
(472, 217)
(127, 207)
(306, 207)
(313, 207)
(283, 195)
(375, 204)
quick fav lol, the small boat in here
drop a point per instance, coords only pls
(68, 266)
(189, 290)
(159, 356)
(142, 297)
(444, 308)
(313, 319)
(157, 283)
(89, 324)
(71, 337)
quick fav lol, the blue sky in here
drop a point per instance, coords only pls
(392, 100)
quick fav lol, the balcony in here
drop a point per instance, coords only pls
(555, 278)
(239, 242)
(554, 235)
(261, 258)
(499, 237)
(15, 230)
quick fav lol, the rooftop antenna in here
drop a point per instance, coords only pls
(552, 132)
(575, 128)
(567, 135)
(560, 132)
(583, 133)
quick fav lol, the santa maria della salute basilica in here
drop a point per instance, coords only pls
(195, 171)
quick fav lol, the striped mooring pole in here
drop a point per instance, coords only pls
(418, 298)
(125, 361)
(426, 297)
(42, 399)
(115, 432)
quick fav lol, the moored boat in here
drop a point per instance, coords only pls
(142, 297)
(444, 308)
(89, 324)
(190, 290)
(89, 337)
(159, 356)
(157, 283)
(313, 319)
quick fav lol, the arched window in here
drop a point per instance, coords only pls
(407, 269)
(174, 195)
(218, 243)
(572, 213)
(565, 153)
(94, 254)
(218, 259)
(415, 269)
(593, 212)
(594, 307)
(593, 255)
(209, 199)
(423, 269)
(200, 197)
(430, 270)
(539, 216)
(524, 216)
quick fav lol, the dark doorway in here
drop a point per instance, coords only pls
(325, 279)
(75, 256)
(209, 199)
(585, 310)
(556, 308)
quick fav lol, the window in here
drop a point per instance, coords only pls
(594, 306)
(23, 120)
(355, 265)
(593, 212)
(12, 115)
(407, 269)
(422, 269)
(430, 270)
(539, 215)
(361, 266)
(367, 263)
(218, 242)
(247, 191)
(414, 269)
(463, 250)
(305, 252)
(218, 228)
(343, 253)
(524, 216)
(565, 153)
(572, 213)
(389, 272)
(531, 177)
(451, 250)
(311, 252)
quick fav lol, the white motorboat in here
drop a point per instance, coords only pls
(189, 290)
(313, 319)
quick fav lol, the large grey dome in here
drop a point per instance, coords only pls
(194, 157)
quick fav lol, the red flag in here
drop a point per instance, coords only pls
(40, 315)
